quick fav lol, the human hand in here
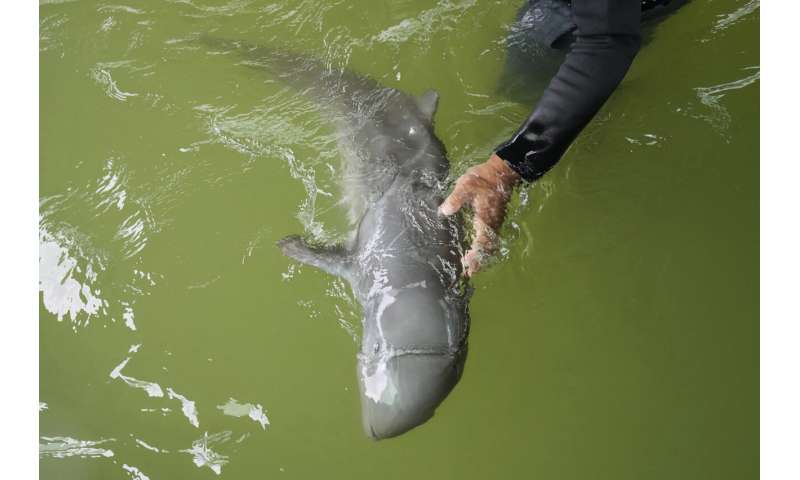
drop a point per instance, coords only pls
(486, 188)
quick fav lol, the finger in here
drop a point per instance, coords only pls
(454, 201)
(482, 246)
(471, 262)
(485, 236)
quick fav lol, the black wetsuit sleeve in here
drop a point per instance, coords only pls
(607, 39)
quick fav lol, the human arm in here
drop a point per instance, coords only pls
(607, 39)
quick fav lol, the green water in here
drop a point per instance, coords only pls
(616, 337)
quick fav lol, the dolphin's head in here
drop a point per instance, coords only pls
(403, 130)
(402, 391)
(413, 355)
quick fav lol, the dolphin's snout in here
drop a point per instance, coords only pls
(402, 392)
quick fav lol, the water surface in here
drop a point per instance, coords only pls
(616, 337)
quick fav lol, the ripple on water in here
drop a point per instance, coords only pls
(718, 116)
(71, 271)
(101, 74)
(51, 32)
(74, 276)
(234, 7)
(271, 129)
(441, 17)
(727, 20)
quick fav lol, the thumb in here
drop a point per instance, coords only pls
(453, 202)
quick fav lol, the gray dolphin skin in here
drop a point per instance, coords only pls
(402, 260)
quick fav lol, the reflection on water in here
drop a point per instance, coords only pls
(187, 406)
(74, 276)
(149, 447)
(235, 409)
(67, 287)
(204, 456)
(63, 447)
(153, 389)
(134, 473)
(204, 451)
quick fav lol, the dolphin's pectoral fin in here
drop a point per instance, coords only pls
(427, 103)
(332, 259)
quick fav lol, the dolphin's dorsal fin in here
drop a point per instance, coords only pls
(427, 103)
(332, 259)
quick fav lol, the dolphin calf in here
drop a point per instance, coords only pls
(402, 259)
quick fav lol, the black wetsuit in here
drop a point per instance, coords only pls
(604, 37)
